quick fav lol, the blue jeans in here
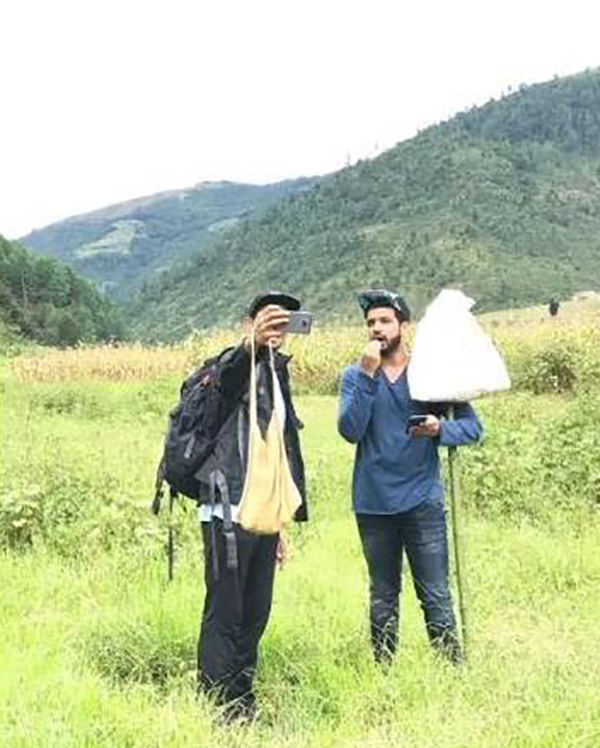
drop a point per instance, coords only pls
(421, 532)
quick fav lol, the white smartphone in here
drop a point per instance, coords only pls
(300, 323)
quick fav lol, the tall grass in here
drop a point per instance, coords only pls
(98, 651)
(542, 354)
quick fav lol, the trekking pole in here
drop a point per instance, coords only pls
(458, 543)
(171, 540)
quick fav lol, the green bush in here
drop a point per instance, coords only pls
(534, 465)
(20, 517)
(550, 370)
(553, 360)
(50, 511)
(73, 514)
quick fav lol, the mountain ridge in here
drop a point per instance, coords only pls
(121, 245)
(502, 201)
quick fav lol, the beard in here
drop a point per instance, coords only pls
(391, 346)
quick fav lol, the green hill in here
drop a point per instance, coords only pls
(121, 246)
(502, 201)
(44, 300)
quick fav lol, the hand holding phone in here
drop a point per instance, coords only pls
(423, 426)
(269, 323)
(413, 421)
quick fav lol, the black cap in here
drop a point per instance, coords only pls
(380, 297)
(273, 297)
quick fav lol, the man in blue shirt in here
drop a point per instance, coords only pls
(398, 494)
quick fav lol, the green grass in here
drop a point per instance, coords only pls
(98, 651)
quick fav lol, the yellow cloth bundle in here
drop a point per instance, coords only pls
(270, 497)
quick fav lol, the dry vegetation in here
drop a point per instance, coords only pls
(106, 363)
(543, 353)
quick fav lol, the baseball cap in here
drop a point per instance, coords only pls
(273, 297)
(380, 297)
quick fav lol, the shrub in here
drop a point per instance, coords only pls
(550, 370)
(553, 359)
(534, 465)
(71, 515)
(20, 517)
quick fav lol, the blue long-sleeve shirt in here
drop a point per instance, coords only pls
(394, 471)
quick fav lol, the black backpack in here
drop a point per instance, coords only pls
(194, 426)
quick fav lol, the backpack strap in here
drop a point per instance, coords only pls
(217, 481)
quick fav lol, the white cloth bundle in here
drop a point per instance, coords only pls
(453, 359)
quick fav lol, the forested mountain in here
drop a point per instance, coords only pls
(121, 246)
(46, 301)
(502, 201)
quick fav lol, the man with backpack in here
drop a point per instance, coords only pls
(397, 487)
(239, 564)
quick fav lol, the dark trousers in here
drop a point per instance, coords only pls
(421, 532)
(236, 611)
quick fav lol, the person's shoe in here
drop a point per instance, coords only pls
(241, 711)
(448, 647)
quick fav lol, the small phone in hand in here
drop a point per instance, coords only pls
(300, 323)
(415, 421)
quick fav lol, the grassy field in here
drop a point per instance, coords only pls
(98, 651)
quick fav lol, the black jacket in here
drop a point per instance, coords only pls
(231, 449)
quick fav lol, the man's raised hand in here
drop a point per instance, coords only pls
(371, 359)
(269, 325)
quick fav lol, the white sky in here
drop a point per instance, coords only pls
(106, 100)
